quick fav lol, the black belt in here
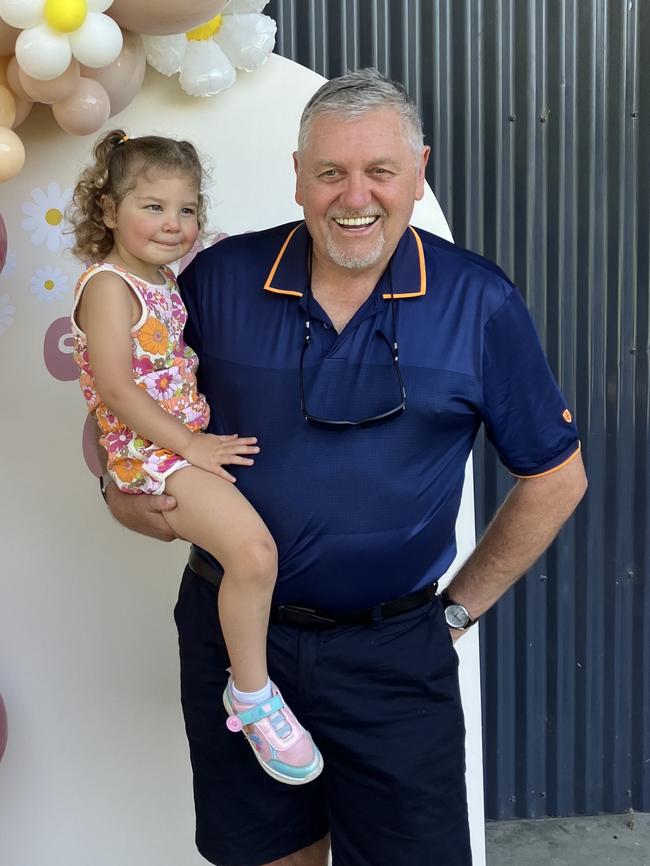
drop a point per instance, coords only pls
(297, 614)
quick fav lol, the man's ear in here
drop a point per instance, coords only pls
(421, 177)
(109, 211)
(296, 168)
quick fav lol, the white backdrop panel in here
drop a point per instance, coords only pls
(96, 769)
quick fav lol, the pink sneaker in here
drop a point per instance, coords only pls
(279, 742)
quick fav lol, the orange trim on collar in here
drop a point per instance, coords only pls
(387, 296)
(269, 279)
(423, 273)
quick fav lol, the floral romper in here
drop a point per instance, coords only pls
(163, 365)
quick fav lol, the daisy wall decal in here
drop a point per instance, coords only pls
(49, 284)
(44, 217)
(10, 266)
(7, 313)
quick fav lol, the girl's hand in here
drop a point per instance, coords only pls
(211, 452)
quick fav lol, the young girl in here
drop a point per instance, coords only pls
(136, 210)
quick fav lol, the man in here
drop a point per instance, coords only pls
(364, 354)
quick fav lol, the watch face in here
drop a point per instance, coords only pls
(456, 616)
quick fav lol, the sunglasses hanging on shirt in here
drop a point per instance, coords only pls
(348, 423)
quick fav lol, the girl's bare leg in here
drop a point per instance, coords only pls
(213, 514)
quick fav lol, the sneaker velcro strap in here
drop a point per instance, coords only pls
(261, 711)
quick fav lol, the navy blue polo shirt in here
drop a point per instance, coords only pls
(368, 514)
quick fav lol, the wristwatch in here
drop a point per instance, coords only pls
(456, 615)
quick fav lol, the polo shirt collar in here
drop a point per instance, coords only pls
(288, 274)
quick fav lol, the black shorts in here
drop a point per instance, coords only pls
(382, 703)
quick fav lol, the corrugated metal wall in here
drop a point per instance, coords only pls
(538, 113)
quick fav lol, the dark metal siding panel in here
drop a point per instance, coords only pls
(538, 114)
(641, 649)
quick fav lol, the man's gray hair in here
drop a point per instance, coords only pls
(356, 93)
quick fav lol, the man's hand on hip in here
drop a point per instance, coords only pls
(142, 513)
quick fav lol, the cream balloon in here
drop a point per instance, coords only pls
(97, 42)
(8, 36)
(23, 107)
(54, 90)
(12, 154)
(123, 79)
(42, 53)
(85, 111)
(165, 16)
(7, 107)
(13, 80)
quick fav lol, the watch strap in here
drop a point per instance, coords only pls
(447, 601)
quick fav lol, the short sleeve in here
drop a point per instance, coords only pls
(525, 415)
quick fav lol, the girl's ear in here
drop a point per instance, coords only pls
(109, 211)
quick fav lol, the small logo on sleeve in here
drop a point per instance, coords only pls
(568, 417)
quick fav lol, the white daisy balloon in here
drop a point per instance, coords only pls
(208, 56)
(21, 13)
(55, 30)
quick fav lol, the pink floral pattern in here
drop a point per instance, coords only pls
(169, 377)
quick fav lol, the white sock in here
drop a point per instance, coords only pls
(257, 697)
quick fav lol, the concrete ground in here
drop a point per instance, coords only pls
(620, 840)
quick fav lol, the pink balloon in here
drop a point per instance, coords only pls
(57, 351)
(4, 728)
(122, 79)
(8, 36)
(54, 90)
(3, 243)
(164, 16)
(13, 79)
(24, 102)
(85, 111)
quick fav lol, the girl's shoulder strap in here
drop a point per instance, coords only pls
(134, 283)
(97, 268)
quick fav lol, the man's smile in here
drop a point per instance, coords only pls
(355, 222)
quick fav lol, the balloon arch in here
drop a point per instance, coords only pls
(87, 58)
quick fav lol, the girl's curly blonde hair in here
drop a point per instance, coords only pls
(118, 162)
